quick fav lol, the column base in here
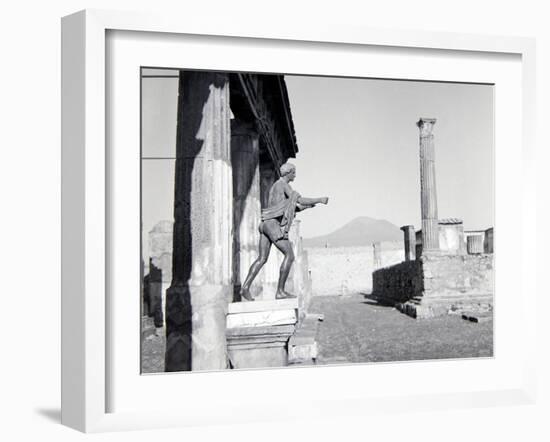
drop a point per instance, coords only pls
(195, 327)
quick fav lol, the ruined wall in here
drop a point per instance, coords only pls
(346, 270)
(456, 275)
(398, 283)
(436, 277)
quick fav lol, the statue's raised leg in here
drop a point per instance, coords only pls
(265, 247)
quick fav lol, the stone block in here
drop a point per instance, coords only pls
(423, 310)
(259, 347)
(302, 346)
(477, 317)
(258, 357)
(258, 306)
(262, 318)
(303, 353)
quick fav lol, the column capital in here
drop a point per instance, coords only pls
(426, 126)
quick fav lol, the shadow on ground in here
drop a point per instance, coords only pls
(51, 414)
(374, 300)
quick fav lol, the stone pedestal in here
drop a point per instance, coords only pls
(202, 283)
(428, 192)
(258, 332)
(437, 284)
(451, 236)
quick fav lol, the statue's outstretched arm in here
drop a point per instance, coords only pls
(305, 202)
(312, 201)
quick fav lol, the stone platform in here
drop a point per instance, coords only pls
(437, 284)
(258, 332)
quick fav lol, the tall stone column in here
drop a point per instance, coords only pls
(196, 302)
(428, 193)
(245, 162)
(410, 242)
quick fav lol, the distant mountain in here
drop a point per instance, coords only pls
(361, 231)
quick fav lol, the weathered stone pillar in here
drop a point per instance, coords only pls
(428, 193)
(246, 200)
(410, 242)
(196, 302)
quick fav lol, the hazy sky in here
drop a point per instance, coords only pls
(358, 144)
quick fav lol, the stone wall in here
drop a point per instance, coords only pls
(346, 270)
(437, 282)
(399, 282)
(452, 276)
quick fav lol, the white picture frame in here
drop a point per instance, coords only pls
(86, 209)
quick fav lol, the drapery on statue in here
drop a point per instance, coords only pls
(282, 204)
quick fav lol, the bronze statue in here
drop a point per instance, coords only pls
(282, 204)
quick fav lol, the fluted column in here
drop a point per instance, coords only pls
(196, 302)
(246, 200)
(410, 242)
(428, 192)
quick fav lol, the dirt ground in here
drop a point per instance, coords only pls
(356, 329)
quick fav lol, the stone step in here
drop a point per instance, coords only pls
(260, 306)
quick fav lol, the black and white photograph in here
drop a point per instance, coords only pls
(294, 220)
(275, 221)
